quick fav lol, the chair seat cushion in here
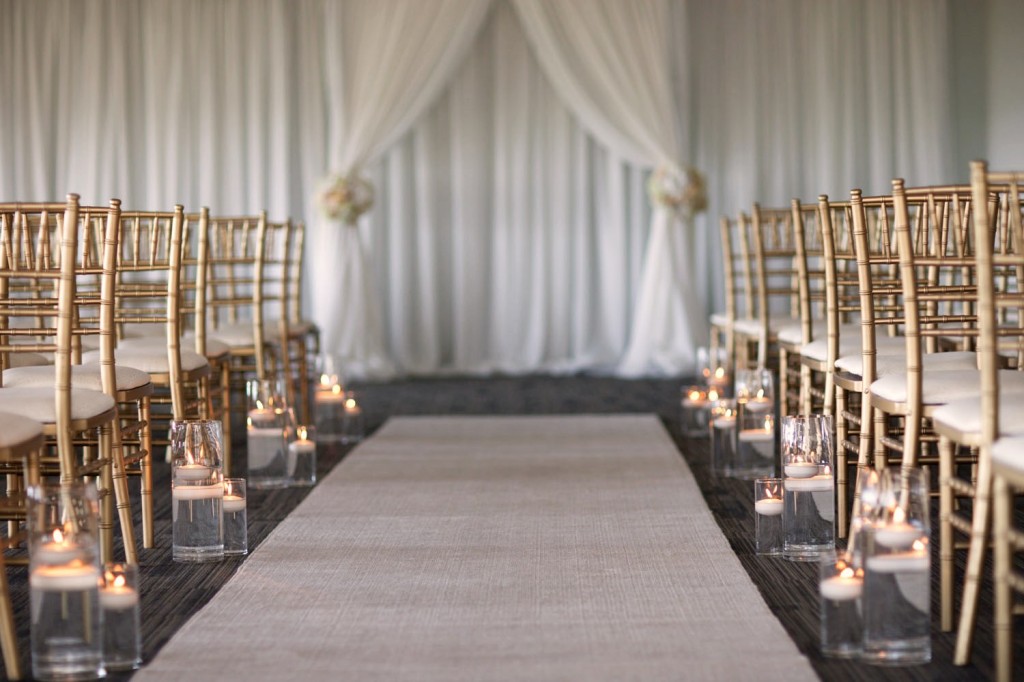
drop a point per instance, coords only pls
(16, 429)
(150, 358)
(849, 339)
(940, 387)
(29, 360)
(893, 360)
(720, 320)
(237, 335)
(964, 414)
(1008, 453)
(188, 342)
(82, 376)
(37, 402)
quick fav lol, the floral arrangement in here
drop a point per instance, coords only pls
(678, 189)
(345, 197)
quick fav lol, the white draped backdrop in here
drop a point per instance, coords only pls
(508, 140)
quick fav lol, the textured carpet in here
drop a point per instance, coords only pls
(494, 548)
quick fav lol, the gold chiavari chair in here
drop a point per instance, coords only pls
(21, 442)
(147, 315)
(738, 292)
(46, 252)
(236, 248)
(992, 422)
(303, 334)
(795, 371)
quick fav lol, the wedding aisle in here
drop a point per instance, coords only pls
(476, 548)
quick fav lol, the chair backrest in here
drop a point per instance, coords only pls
(56, 285)
(236, 248)
(776, 274)
(194, 272)
(998, 234)
(149, 283)
(296, 272)
(809, 239)
(842, 285)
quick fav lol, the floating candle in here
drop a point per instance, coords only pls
(233, 504)
(810, 485)
(60, 551)
(900, 562)
(197, 492)
(75, 576)
(843, 587)
(769, 506)
(801, 469)
(332, 394)
(192, 472)
(117, 594)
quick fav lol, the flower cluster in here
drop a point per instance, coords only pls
(345, 197)
(678, 189)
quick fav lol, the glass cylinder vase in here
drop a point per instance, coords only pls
(269, 429)
(64, 582)
(197, 490)
(809, 508)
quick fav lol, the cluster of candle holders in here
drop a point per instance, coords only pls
(699, 400)
(338, 415)
(281, 453)
(743, 433)
(84, 615)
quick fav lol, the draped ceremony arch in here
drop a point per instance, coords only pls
(509, 141)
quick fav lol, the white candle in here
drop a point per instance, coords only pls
(301, 446)
(801, 469)
(756, 436)
(769, 506)
(192, 472)
(332, 394)
(233, 503)
(724, 422)
(897, 535)
(758, 405)
(901, 562)
(261, 417)
(72, 577)
(843, 587)
(59, 551)
(118, 595)
(810, 485)
(197, 492)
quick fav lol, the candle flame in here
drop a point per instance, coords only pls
(760, 393)
(898, 515)
(694, 395)
(58, 536)
(768, 424)
(846, 572)
(120, 581)
(720, 372)
(919, 545)
(259, 404)
(302, 432)
(325, 380)
(350, 403)
(712, 394)
(336, 389)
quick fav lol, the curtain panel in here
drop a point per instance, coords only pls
(511, 226)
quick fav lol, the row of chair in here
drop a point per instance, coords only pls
(903, 316)
(113, 323)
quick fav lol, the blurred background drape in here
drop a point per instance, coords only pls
(504, 237)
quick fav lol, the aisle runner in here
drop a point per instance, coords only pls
(493, 548)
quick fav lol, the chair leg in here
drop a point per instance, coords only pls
(8, 638)
(122, 498)
(783, 382)
(946, 537)
(146, 487)
(841, 484)
(225, 399)
(981, 515)
(1003, 591)
(106, 488)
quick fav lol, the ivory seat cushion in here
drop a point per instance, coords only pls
(894, 361)
(752, 327)
(36, 402)
(965, 414)
(16, 429)
(214, 348)
(720, 320)
(82, 376)
(941, 387)
(849, 339)
(29, 360)
(1009, 453)
(237, 335)
(151, 358)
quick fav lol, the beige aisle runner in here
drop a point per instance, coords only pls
(493, 548)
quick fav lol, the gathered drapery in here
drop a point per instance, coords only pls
(512, 231)
(612, 62)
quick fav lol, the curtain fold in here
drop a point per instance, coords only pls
(386, 60)
(612, 63)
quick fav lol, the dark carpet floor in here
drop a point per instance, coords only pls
(172, 592)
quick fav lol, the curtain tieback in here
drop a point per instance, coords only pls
(345, 197)
(681, 190)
